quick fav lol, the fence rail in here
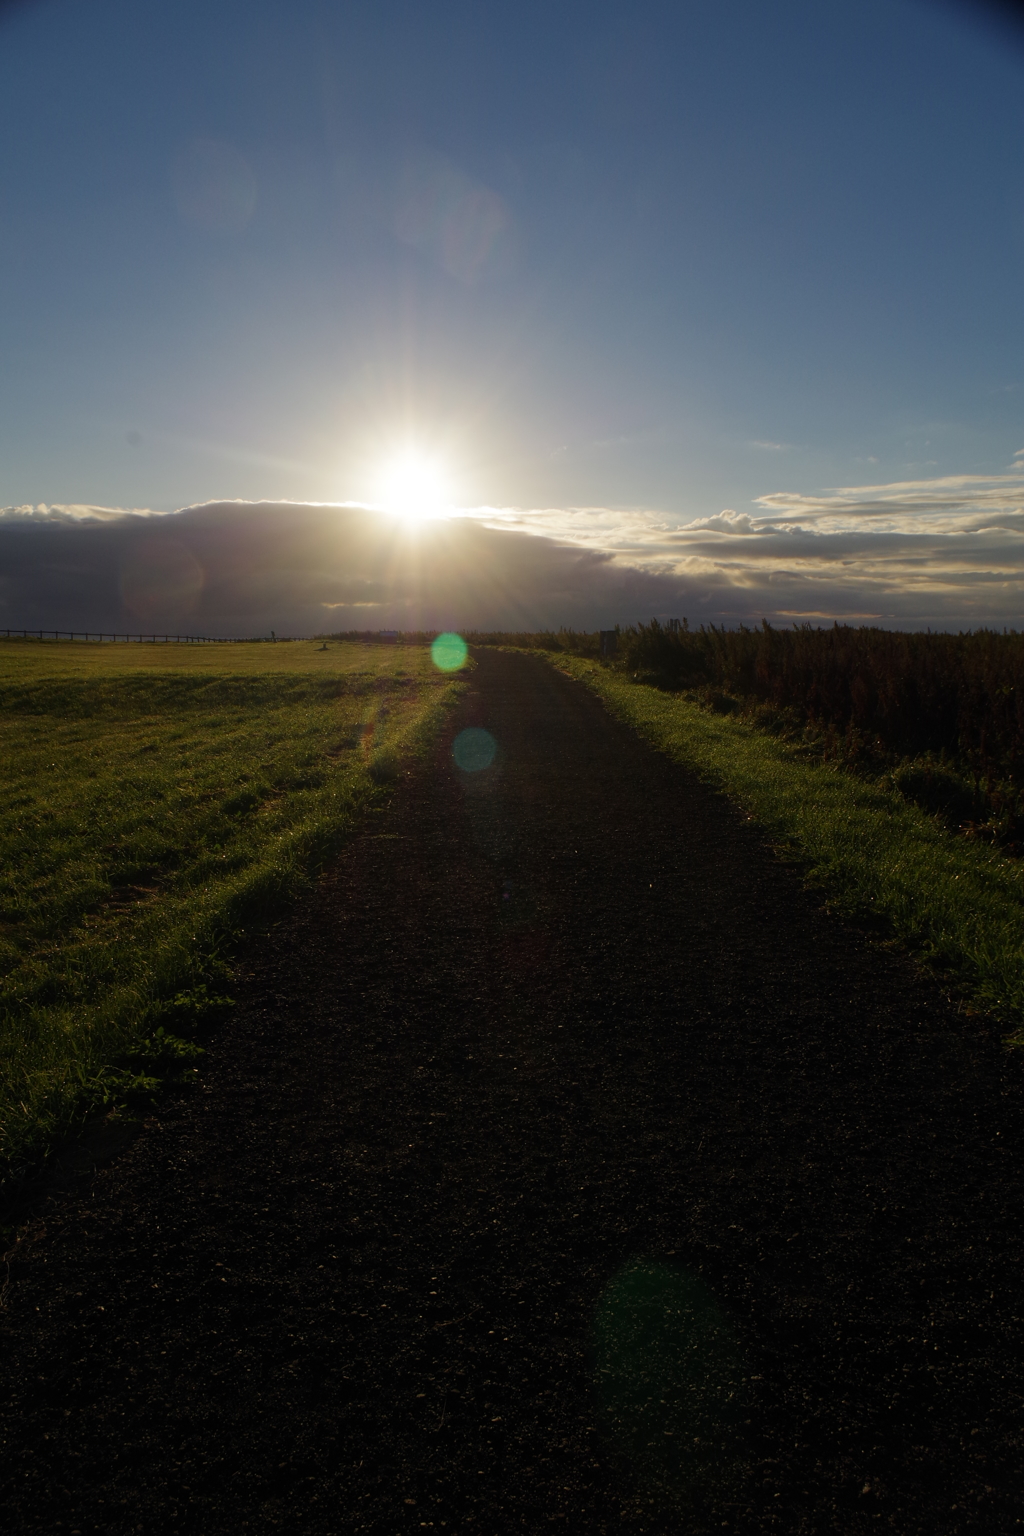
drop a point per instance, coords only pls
(92, 634)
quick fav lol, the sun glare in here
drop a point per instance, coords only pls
(414, 485)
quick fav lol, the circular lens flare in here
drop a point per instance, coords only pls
(671, 1380)
(474, 749)
(449, 652)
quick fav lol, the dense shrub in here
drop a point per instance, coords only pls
(571, 641)
(947, 709)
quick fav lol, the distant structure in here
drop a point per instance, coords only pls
(609, 641)
(105, 638)
(673, 626)
(387, 634)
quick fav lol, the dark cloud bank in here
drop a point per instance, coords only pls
(943, 554)
(230, 568)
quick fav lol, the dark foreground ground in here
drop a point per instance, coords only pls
(563, 1166)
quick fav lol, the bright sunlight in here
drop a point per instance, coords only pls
(414, 485)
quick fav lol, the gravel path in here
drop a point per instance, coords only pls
(563, 1166)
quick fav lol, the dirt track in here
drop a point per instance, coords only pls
(541, 1022)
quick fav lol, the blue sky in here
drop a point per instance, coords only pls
(652, 260)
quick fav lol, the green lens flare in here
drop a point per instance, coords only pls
(449, 652)
(670, 1379)
(474, 749)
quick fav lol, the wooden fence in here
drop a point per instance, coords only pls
(94, 635)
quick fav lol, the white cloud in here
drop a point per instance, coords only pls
(945, 502)
(726, 521)
(71, 512)
(946, 552)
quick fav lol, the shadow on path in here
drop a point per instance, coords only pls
(564, 1166)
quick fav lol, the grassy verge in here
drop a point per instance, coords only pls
(958, 905)
(153, 801)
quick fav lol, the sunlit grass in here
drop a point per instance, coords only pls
(958, 904)
(155, 800)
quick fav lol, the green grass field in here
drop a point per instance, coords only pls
(155, 800)
(957, 904)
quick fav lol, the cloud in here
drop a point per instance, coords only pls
(242, 568)
(946, 552)
(937, 503)
(71, 512)
(726, 521)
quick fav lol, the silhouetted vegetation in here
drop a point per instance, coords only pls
(573, 642)
(383, 636)
(943, 715)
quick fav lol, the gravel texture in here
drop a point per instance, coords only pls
(563, 1166)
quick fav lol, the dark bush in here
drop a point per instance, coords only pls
(938, 790)
(573, 642)
(871, 698)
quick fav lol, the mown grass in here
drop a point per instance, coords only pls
(153, 801)
(959, 905)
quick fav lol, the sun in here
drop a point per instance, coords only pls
(414, 485)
